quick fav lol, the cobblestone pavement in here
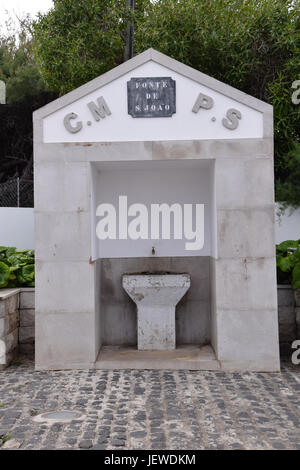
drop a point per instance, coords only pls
(151, 409)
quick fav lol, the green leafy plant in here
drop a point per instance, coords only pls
(16, 363)
(16, 267)
(288, 263)
(4, 438)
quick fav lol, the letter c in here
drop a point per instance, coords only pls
(67, 123)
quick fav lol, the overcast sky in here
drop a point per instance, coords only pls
(20, 7)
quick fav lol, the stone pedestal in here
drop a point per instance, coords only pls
(156, 297)
(156, 327)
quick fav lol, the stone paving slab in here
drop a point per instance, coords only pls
(151, 409)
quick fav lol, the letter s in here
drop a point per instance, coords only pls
(232, 121)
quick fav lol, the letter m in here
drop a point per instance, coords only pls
(190, 460)
(100, 109)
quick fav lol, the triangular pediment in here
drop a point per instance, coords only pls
(150, 98)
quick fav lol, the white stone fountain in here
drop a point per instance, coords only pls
(156, 297)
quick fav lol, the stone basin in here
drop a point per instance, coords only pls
(156, 297)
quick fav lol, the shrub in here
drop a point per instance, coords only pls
(16, 267)
(288, 263)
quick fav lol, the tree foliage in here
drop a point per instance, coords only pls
(77, 41)
(288, 263)
(288, 192)
(16, 155)
(18, 68)
(25, 92)
(253, 45)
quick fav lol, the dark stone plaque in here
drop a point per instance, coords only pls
(151, 97)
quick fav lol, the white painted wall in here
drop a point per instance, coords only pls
(17, 227)
(287, 226)
(153, 183)
(183, 125)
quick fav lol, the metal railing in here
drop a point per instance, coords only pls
(17, 192)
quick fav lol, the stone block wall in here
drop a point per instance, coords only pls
(27, 321)
(17, 321)
(288, 317)
(9, 325)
